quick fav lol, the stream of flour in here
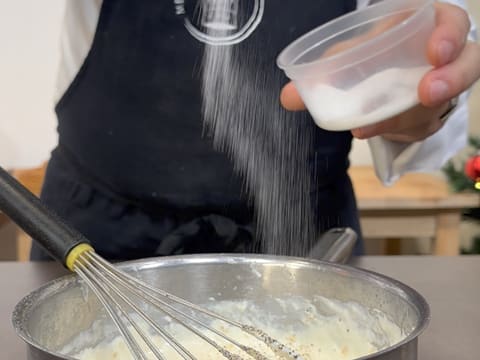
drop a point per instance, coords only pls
(267, 144)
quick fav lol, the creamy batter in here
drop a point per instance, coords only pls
(319, 329)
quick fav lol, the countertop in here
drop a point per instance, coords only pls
(451, 286)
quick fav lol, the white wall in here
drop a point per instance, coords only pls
(29, 38)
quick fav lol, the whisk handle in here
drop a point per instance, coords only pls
(42, 224)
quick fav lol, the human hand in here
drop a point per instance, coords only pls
(456, 67)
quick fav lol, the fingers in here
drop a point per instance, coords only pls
(413, 125)
(290, 98)
(450, 34)
(451, 80)
(457, 67)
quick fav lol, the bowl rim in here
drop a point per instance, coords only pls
(410, 295)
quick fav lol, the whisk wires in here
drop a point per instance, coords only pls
(112, 288)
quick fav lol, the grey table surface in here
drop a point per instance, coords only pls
(451, 285)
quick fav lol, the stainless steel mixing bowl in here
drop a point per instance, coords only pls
(50, 317)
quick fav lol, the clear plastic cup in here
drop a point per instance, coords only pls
(363, 67)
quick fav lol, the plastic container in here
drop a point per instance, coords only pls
(363, 67)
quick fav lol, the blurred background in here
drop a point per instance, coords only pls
(30, 34)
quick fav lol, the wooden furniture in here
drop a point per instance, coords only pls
(7, 239)
(416, 206)
(3, 219)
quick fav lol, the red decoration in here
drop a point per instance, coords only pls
(472, 168)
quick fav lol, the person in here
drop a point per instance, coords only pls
(133, 169)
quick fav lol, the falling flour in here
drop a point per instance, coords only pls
(273, 149)
(269, 146)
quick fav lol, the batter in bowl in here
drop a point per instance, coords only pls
(318, 329)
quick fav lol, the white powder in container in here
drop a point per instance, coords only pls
(379, 97)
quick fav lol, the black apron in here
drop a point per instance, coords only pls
(134, 170)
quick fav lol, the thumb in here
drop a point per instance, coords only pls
(290, 98)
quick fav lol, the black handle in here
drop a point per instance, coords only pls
(42, 224)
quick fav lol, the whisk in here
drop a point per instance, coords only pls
(120, 292)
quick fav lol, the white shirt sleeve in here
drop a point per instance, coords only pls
(392, 160)
(78, 30)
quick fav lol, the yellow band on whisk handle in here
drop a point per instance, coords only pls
(75, 253)
(61, 241)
